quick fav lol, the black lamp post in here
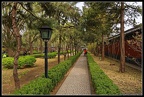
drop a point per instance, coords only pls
(45, 33)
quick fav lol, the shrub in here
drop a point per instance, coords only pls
(103, 85)
(23, 61)
(8, 62)
(50, 55)
(43, 85)
(38, 86)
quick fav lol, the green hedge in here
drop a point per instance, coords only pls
(44, 85)
(102, 84)
(57, 72)
(23, 61)
(50, 55)
(37, 86)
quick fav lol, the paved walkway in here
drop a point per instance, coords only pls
(77, 82)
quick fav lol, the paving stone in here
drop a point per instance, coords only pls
(77, 82)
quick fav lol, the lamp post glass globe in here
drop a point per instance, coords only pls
(45, 32)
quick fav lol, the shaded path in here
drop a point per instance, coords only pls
(77, 82)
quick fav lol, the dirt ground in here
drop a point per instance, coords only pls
(26, 74)
(130, 82)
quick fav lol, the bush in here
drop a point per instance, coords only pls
(37, 55)
(36, 52)
(43, 85)
(103, 85)
(50, 55)
(23, 61)
(8, 62)
(37, 86)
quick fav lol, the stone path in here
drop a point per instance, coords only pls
(77, 82)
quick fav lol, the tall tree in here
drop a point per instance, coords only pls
(113, 12)
(18, 42)
(99, 22)
(17, 20)
(7, 32)
(63, 16)
(122, 43)
(131, 12)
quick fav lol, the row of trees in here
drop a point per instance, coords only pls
(71, 26)
(21, 20)
(102, 18)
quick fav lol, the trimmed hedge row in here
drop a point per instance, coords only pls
(23, 61)
(44, 85)
(50, 55)
(102, 84)
(38, 86)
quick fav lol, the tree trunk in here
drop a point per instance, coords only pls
(10, 52)
(41, 47)
(67, 49)
(18, 47)
(73, 50)
(64, 51)
(96, 49)
(70, 49)
(122, 44)
(30, 46)
(59, 48)
(102, 47)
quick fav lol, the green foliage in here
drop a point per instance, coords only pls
(57, 72)
(35, 52)
(39, 86)
(92, 47)
(7, 62)
(102, 83)
(64, 52)
(50, 55)
(103, 17)
(29, 61)
(4, 55)
(43, 86)
(23, 61)
(38, 55)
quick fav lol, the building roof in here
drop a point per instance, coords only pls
(128, 32)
